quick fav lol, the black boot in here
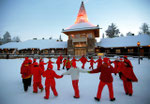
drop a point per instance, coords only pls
(113, 99)
(97, 99)
(130, 94)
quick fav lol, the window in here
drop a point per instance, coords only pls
(130, 50)
(81, 44)
(118, 51)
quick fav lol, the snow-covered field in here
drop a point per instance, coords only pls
(11, 87)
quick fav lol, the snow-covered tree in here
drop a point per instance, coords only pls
(130, 34)
(7, 37)
(16, 39)
(112, 31)
(145, 29)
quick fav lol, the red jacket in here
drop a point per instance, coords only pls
(92, 62)
(73, 61)
(41, 65)
(68, 64)
(37, 72)
(64, 62)
(58, 61)
(99, 62)
(50, 75)
(83, 59)
(127, 72)
(116, 65)
(106, 71)
(25, 70)
(50, 63)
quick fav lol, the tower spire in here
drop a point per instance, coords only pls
(82, 16)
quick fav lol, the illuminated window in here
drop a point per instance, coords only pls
(130, 50)
(118, 51)
(81, 44)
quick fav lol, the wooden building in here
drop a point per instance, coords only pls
(81, 35)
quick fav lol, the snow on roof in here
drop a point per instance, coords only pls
(41, 44)
(9, 45)
(128, 41)
(81, 26)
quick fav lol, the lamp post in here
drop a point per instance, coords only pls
(138, 44)
(149, 51)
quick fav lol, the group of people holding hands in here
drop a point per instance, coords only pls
(123, 67)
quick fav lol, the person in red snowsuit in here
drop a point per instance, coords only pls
(73, 61)
(50, 63)
(91, 63)
(64, 63)
(41, 64)
(50, 81)
(116, 64)
(37, 80)
(68, 64)
(58, 62)
(127, 75)
(61, 58)
(105, 79)
(34, 60)
(83, 61)
(26, 73)
(99, 62)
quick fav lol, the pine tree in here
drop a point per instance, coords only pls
(112, 31)
(145, 29)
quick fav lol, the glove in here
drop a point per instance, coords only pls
(129, 80)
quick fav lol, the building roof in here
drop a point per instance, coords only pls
(40, 44)
(81, 26)
(81, 22)
(128, 41)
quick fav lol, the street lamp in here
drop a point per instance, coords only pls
(138, 44)
(149, 51)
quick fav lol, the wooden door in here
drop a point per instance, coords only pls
(80, 52)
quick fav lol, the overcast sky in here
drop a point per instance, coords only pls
(46, 18)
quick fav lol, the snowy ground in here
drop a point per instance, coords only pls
(11, 87)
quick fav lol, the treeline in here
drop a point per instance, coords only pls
(7, 38)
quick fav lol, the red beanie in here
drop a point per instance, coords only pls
(106, 60)
(50, 67)
(125, 56)
(30, 61)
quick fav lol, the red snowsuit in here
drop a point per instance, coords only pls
(83, 61)
(99, 62)
(61, 58)
(68, 64)
(128, 76)
(37, 72)
(41, 65)
(105, 79)
(73, 61)
(26, 70)
(50, 82)
(91, 63)
(64, 63)
(58, 62)
(50, 64)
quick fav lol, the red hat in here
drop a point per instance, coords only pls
(50, 67)
(30, 61)
(34, 60)
(26, 58)
(121, 59)
(106, 60)
(99, 57)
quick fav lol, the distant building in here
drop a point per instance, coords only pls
(81, 35)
